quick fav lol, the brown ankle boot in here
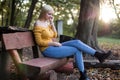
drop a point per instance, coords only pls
(102, 56)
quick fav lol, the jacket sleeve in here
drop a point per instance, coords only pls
(37, 33)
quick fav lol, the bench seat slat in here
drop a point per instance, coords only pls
(45, 64)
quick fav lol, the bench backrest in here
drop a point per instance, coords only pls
(18, 40)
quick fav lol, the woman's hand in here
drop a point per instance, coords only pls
(55, 44)
(52, 23)
(54, 40)
(51, 20)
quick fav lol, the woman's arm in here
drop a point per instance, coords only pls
(52, 24)
(54, 44)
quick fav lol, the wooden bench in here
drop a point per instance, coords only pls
(13, 42)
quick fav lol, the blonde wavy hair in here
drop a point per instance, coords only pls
(45, 9)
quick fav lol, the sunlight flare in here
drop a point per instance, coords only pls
(107, 14)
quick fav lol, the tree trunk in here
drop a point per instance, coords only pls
(30, 12)
(12, 18)
(88, 22)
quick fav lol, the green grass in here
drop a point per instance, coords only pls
(111, 43)
(107, 40)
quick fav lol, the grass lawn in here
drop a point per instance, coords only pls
(109, 41)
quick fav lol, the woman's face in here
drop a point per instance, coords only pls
(49, 15)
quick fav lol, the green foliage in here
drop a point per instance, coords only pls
(111, 29)
(64, 10)
(21, 8)
(116, 29)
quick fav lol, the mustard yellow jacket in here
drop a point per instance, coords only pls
(43, 35)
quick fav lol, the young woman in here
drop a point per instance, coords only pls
(45, 34)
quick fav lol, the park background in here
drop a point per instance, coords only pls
(95, 22)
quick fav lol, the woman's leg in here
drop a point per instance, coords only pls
(65, 51)
(101, 56)
(79, 61)
(80, 45)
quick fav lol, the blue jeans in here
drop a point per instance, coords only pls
(69, 48)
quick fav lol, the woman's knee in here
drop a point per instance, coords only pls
(77, 41)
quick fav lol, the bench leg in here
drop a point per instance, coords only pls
(16, 59)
